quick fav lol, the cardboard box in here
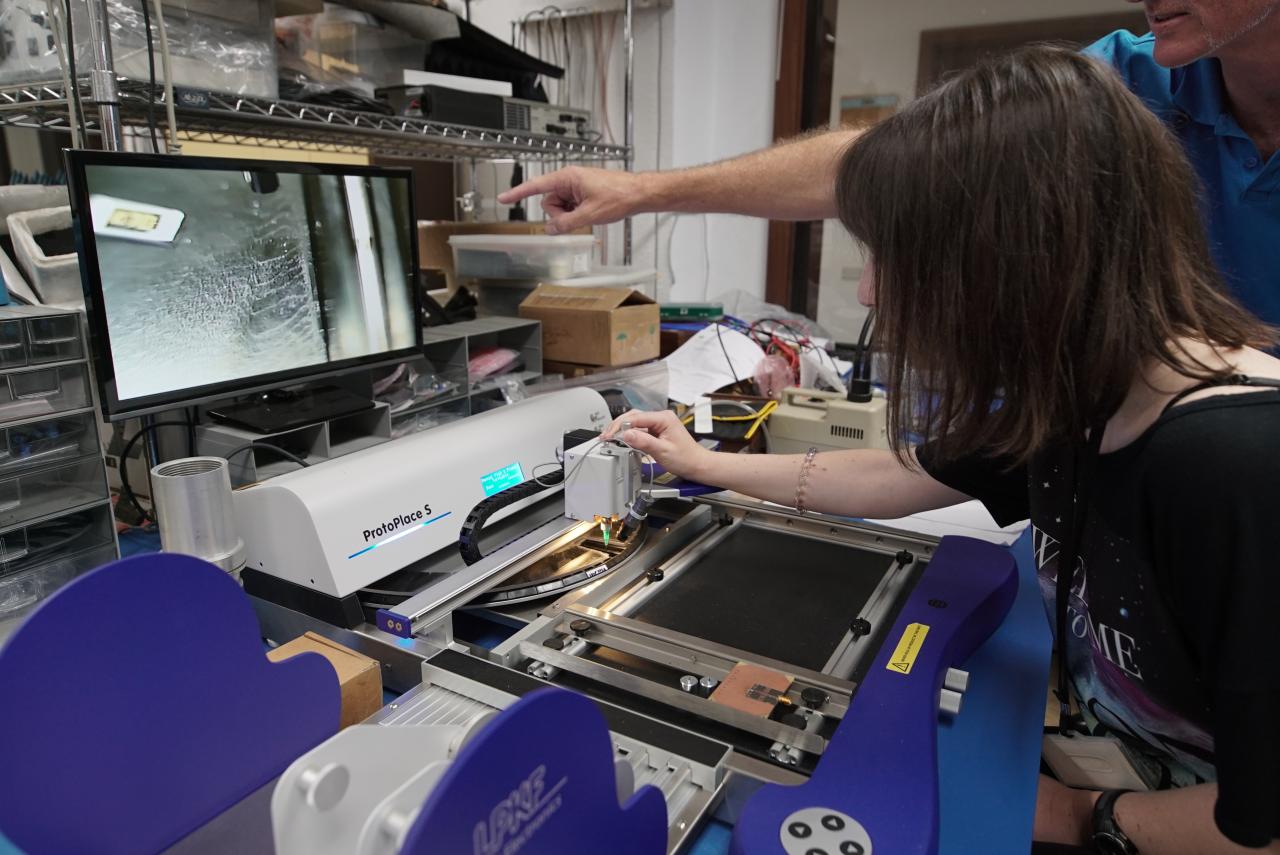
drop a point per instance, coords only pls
(570, 370)
(359, 676)
(672, 340)
(594, 326)
(434, 252)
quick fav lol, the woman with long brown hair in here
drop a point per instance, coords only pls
(1057, 338)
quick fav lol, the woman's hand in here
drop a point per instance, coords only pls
(661, 436)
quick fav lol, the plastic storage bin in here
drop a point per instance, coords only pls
(54, 338)
(29, 546)
(521, 256)
(55, 278)
(40, 493)
(45, 441)
(44, 391)
(13, 344)
(642, 279)
(22, 591)
(47, 335)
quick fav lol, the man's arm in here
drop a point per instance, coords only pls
(1165, 822)
(793, 180)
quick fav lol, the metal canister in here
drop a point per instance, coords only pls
(193, 507)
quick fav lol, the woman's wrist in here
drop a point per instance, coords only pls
(704, 467)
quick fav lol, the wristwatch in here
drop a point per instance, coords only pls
(1108, 839)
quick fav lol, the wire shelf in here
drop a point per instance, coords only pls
(289, 125)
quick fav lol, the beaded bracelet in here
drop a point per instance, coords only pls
(805, 466)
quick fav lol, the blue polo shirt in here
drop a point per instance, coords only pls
(1242, 191)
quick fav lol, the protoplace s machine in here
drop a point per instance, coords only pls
(741, 653)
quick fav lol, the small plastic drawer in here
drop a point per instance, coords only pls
(22, 591)
(45, 492)
(38, 443)
(521, 256)
(13, 344)
(47, 540)
(54, 338)
(44, 391)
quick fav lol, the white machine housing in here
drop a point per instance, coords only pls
(813, 418)
(341, 525)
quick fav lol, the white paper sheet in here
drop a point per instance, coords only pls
(699, 365)
(969, 518)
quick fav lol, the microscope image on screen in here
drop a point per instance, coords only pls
(212, 276)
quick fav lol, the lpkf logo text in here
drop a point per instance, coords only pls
(515, 819)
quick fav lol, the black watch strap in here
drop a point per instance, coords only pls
(1108, 839)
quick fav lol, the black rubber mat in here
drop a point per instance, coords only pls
(785, 597)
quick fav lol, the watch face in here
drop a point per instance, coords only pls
(1109, 844)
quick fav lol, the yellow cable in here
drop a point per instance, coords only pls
(757, 418)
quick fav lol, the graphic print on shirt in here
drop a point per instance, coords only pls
(1114, 650)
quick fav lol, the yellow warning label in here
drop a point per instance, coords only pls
(904, 655)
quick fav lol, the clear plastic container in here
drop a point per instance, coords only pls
(54, 338)
(47, 540)
(13, 344)
(54, 440)
(31, 337)
(44, 391)
(642, 279)
(521, 256)
(502, 297)
(22, 591)
(44, 492)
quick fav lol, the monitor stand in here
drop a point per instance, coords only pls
(284, 410)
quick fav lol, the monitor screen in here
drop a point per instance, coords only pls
(207, 278)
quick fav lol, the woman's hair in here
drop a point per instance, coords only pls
(1036, 241)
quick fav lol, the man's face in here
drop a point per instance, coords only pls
(1187, 30)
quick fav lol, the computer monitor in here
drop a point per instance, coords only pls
(207, 278)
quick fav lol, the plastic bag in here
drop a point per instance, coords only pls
(224, 47)
(489, 361)
(409, 385)
(342, 48)
(750, 308)
(512, 388)
(636, 387)
(229, 47)
(772, 375)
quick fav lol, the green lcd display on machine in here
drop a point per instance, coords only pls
(507, 476)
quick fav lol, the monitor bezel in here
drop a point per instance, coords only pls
(113, 408)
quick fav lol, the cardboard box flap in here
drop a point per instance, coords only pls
(601, 299)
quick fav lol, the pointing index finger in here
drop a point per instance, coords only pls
(532, 187)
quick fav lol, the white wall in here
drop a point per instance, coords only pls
(704, 76)
(877, 50)
(725, 68)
